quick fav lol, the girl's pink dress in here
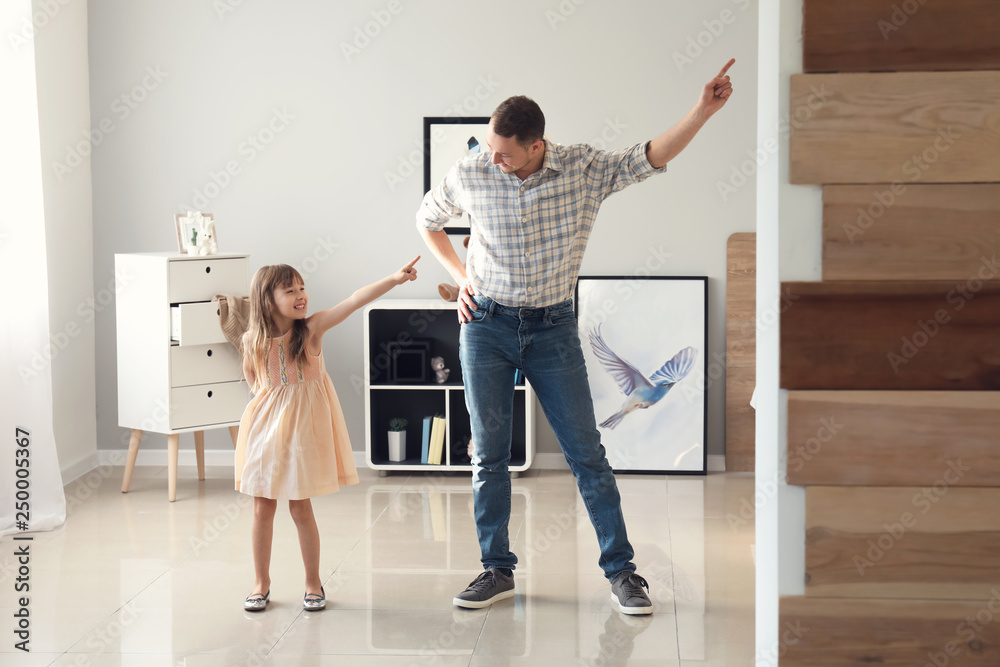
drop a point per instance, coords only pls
(293, 441)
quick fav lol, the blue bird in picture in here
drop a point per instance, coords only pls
(640, 393)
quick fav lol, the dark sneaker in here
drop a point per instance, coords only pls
(626, 591)
(489, 587)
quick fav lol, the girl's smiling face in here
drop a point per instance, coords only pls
(291, 301)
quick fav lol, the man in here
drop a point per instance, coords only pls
(532, 205)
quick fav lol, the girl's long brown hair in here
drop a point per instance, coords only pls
(262, 307)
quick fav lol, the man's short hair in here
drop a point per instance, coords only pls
(519, 117)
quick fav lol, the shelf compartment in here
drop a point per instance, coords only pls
(410, 404)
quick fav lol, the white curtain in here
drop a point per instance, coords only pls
(34, 499)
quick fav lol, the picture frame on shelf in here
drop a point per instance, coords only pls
(645, 342)
(409, 361)
(448, 139)
(188, 228)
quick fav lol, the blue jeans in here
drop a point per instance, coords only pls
(545, 345)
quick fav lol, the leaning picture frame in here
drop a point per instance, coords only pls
(187, 231)
(447, 140)
(645, 343)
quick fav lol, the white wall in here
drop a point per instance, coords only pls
(201, 83)
(800, 215)
(59, 38)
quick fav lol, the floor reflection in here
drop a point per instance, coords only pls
(154, 582)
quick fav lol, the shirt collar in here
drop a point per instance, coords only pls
(551, 160)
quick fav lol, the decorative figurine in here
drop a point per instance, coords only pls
(440, 372)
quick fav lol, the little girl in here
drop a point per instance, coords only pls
(293, 441)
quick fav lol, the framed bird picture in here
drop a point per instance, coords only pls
(645, 343)
(448, 139)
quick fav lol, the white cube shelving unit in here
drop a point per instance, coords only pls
(177, 373)
(433, 324)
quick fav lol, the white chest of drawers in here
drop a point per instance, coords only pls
(177, 372)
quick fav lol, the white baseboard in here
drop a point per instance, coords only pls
(76, 470)
(223, 457)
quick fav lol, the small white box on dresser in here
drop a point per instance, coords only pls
(177, 373)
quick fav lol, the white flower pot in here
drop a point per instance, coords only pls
(397, 445)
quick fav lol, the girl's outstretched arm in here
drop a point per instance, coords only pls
(324, 320)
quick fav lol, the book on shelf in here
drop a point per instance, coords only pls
(426, 440)
(437, 441)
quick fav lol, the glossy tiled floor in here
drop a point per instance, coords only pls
(133, 580)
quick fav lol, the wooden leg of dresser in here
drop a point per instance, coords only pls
(172, 442)
(199, 452)
(133, 451)
(234, 432)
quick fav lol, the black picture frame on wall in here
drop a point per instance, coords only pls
(447, 139)
(645, 341)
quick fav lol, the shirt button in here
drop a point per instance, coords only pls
(524, 219)
(526, 253)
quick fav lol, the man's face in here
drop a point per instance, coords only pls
(509, 155)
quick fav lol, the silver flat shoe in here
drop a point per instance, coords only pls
(314, 602)
(256, 601)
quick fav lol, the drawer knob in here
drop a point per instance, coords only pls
(208, 269)
(210, 394)
(209, 353)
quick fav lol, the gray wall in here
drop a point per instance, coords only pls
(197, 84)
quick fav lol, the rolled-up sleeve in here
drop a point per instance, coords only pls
(440, 204)
(616, 170)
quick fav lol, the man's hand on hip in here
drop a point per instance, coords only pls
(465, 303)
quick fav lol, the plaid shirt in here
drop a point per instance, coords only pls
(528, 238)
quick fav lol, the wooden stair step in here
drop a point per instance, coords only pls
(909, 232)
(937, 541)
(933, 335)
(831, 632)
(900, 35)
(892, 438)
(906, 127)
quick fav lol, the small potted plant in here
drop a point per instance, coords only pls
(397, 439)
